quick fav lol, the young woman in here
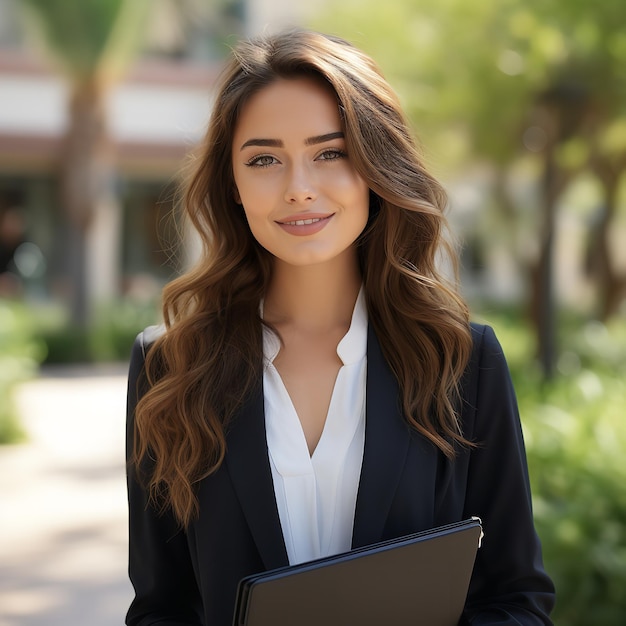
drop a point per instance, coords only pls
(317, 385)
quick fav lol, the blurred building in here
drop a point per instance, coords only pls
(156, 115)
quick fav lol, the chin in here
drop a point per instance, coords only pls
(312, 260)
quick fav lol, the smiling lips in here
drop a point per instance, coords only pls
(302, 222)
(301, 225)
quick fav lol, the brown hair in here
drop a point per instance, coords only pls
(209, 359)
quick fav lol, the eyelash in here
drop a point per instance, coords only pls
(333, 153)
(255, 161)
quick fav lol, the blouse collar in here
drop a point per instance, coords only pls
(352, 347)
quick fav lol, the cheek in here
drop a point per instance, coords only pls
(360, 195)
(256, 210)
(347, 186)
(256, 196)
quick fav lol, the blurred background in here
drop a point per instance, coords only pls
(520, 106)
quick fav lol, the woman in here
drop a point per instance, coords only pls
(317, 385)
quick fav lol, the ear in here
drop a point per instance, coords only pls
(236, 195)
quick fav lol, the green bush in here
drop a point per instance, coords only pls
(117, 326)
(576, 442)
(20, 355)
(109, 338)
(30, 336)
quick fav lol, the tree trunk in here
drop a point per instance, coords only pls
(611, 287)
(542, 296)
(560, 112)
(87, 177)
(76, 270)
(542, 299)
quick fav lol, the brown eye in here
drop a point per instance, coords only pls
(331, 155)
(263, 160)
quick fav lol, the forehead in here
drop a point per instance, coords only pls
(303, 106)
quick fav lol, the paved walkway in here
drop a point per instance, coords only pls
(63, 543)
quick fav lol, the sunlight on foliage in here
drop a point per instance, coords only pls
(20, 355)
(575, 435)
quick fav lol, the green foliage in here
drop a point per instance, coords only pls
(31, 336)
(479, 68)
(576, 442)
(90, 36)
(89, 23)
(109, 338)
(20, 355)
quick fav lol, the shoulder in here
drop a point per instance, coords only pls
(143, 342)
(484, 336)
(150, 334)
(146, 338)
(486, 348)
(487, 369)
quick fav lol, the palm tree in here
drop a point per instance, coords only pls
(93, 42)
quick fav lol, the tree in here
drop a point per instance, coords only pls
(610, 167)
(93, 42)
(513, 79)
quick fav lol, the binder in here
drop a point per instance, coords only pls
(415, 580)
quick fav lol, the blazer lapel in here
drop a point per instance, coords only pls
(387, 440)
(386, 444)
(248, 465)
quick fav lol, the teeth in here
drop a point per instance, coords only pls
(303, 222)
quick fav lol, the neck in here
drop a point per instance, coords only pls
(317, 298)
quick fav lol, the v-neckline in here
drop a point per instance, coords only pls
(294, 423)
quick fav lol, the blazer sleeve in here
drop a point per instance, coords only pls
(509, 584)
(160, 566)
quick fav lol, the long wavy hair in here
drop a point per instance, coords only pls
(209, 359)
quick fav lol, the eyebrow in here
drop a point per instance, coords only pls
(277, 143)
(311, 141)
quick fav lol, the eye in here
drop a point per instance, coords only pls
(331, 155)
(261, 160)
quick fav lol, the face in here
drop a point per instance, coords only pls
(303, 199)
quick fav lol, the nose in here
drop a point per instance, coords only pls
(300, 186)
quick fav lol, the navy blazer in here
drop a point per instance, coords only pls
(407, 485)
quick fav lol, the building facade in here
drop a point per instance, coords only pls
(155, 116)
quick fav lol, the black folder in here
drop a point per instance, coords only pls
(416, 580)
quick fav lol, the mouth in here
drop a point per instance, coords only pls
(303, 221)
(301, 226)
(312, 220)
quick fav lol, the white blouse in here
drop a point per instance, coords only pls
(316, 494)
